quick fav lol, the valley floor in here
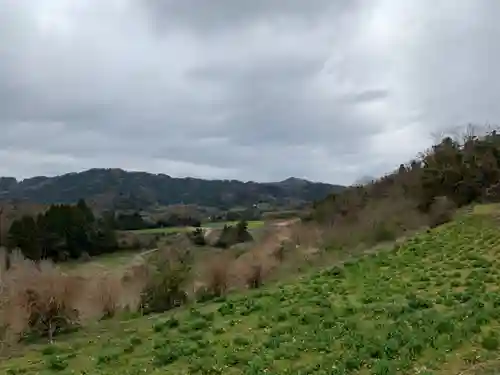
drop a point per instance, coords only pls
(431, 305)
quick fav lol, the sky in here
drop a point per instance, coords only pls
(327, 90)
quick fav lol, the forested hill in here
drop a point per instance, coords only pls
(116, 188)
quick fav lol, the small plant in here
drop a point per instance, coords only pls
(56, 363)
(165, 356)
(108, 357)
(490, 342)
(50, 350)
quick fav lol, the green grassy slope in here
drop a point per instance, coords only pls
(431, 305)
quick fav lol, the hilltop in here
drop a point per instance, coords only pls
(116, 188)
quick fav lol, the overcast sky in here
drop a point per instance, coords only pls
(328, 90)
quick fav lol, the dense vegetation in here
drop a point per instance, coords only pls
(453, 173)
(62, 232)
(232, 235)
(135, 221)
(118, 189)
(428, 306)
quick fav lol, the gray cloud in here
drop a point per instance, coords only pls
(262, 90)
(221, 15)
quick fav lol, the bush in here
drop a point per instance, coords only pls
(233, 235)
(217, 277)
(107, 294)
(383, 233)
(197, 237)
(49, 313)
(441, 211)
(164, 289)
(37, 299)
(255, 276)
(490, 342)
(279, 252)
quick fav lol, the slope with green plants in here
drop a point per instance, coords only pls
(430, 305)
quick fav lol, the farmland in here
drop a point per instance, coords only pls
(215, 225)
(430, 305)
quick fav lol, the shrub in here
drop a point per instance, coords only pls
(56, 363)
(37, 299)
(279, 252)
(382, 233)
(217, 277)
(441, 211)
(164, 289)
(108, 293)
(254, 276)
(233, 235)
(490, 342)
(197, 237)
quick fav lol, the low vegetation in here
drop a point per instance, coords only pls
(428, 305)
(232, 235)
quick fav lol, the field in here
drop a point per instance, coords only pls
(216, 225)
(105, 261)
(430, 305)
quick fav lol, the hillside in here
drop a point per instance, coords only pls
(116, 188)
(454, 173)
(429, 305)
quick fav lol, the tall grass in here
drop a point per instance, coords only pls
(38, 299)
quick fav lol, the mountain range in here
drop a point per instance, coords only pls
(120, 189)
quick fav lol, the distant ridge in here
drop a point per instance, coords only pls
(116, 188)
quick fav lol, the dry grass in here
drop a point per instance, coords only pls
(217, 275)
(36, 298)
(378, 221)
(42, 300)
(255, 275)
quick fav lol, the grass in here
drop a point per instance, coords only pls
(123, 258)
(112, 260)
(255, 224)
(486, 209)
(162, 230)
(430, 306)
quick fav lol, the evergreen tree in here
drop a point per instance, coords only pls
(62, 231)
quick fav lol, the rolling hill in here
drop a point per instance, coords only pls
(116, 188)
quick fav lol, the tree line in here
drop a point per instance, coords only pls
(62, 232)
(462, 171)
(135, 221)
